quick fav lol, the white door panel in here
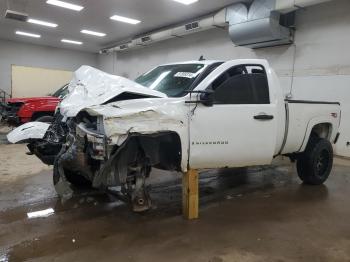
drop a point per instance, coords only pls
(229, 136)
(240, 128)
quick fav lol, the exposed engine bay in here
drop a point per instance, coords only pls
(81, 159)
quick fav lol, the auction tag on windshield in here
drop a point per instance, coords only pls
(185, 74)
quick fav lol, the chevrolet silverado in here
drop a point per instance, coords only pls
(110, 131)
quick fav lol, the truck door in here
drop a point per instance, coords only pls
(240, 128)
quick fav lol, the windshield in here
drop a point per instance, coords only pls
(172, 80)
(62, 92)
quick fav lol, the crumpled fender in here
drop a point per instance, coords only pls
(144, 116)
(31, 130)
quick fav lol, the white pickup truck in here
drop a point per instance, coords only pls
(110, 131)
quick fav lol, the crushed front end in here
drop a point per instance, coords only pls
(88, 156)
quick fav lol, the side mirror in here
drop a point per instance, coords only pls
(207, 98)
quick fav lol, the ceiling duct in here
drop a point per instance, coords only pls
(266, 23)
(286, 6)
(217, 20)
(257, 27)
(206, 23)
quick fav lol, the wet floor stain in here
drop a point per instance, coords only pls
(255, 214)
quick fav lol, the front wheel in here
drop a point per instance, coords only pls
(78, 181)
(315, 164)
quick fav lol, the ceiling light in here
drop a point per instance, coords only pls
(27, 34)
(71, 42)
(65, 5)
(186, 2)
(92, 33)
(125, 19)
(39, 22)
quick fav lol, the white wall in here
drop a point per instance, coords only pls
(108, 63)
(14, 53)
(321, 54)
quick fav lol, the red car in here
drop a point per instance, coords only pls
(17, 111)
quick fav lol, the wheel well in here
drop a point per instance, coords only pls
(159, 150)
(322, 130)
(163, 150)
(36, 115)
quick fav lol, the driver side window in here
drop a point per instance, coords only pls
(242, 85)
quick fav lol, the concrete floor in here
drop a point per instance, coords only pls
(259, 214)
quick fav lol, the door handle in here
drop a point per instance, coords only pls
(263, 117)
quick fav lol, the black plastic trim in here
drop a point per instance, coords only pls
(311, 102)
(336, 138)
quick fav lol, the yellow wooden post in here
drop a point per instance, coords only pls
(190, 194)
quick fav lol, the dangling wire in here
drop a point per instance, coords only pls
(195, 107)
(290, 95)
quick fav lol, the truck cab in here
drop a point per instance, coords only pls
(244, 97)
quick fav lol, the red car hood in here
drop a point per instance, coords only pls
(32, 99)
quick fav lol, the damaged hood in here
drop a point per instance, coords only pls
(91, 87)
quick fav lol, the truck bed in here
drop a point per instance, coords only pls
(302, 116)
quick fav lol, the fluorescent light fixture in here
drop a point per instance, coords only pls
(186, 2)
(92, 33)
(39, 22)
(27, 34)
(71, 42)
(65, 5)
(125, 19)
(41, 213)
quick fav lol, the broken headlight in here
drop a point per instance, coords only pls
(96, 146)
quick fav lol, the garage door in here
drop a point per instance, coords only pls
(35, 81)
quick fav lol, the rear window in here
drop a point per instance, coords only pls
(244, 84)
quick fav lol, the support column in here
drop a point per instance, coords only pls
(190, 194)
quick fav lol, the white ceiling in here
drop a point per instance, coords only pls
(154, 14)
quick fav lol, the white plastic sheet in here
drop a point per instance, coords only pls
(31, 130)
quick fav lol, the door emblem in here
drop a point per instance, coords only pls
(209, 143)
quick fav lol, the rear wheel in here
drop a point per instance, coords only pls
(315, 164)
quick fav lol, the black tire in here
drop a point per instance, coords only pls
(45, 119)
(315, 164)
(78, 181)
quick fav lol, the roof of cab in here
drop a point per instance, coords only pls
(204, 62)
